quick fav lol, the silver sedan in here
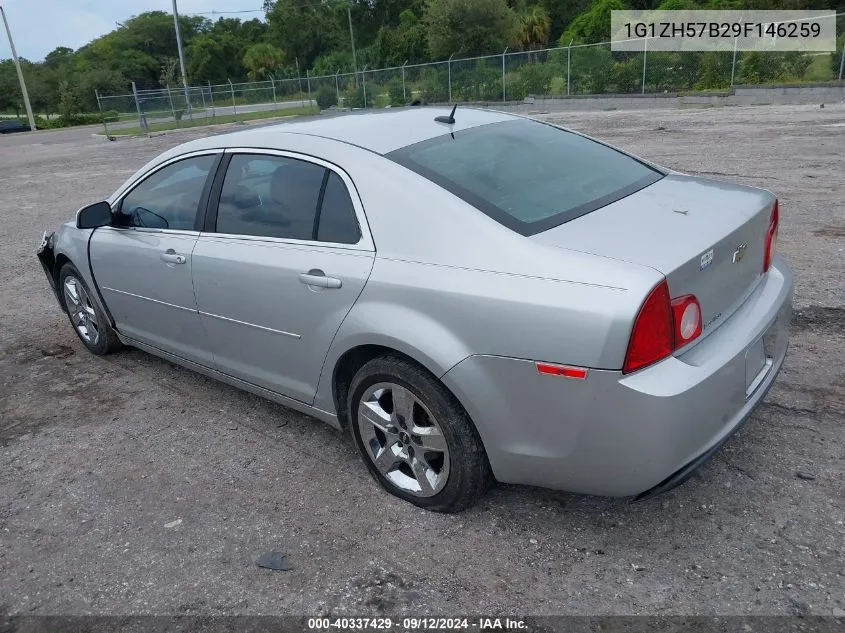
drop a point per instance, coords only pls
(474, 296)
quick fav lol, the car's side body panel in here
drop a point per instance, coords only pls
(264, 325)
(151, 300)
(71, 244)
(439, 315)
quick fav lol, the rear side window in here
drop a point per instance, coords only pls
(337, 215)
(270, 196)
(527, 175)
(277, 196)
(169, 198)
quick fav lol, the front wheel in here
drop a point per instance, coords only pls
(415, 437)
(89, 323)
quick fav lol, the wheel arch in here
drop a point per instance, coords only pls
(355, 357)
(60, 261)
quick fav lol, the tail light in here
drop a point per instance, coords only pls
(653, 336)
(771, 238)
(662, 326)
(687, 315)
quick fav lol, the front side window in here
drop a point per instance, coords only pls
(277, 196)
(527, 175)
(169, 198)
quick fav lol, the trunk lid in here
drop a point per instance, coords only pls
(707, 237)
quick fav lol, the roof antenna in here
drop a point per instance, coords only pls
(447, 119)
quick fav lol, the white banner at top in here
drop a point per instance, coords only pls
(692, 30)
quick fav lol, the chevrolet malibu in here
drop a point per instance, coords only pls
(474, 296)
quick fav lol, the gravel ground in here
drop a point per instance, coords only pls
(131, 486)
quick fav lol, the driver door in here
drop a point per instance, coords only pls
(142, 263)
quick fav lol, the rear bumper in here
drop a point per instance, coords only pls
(619, 435)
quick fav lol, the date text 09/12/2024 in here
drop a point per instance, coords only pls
(417, 624)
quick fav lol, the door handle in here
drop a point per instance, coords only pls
(172, 257)
(317, 278)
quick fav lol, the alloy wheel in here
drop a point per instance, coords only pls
(81, 311)
(403, 439)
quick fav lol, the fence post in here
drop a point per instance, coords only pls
(202, 96)
(100, 106)
(142, 124)
(299, 79)
(308, 80)
(232, 88)
(733, 65)
(449, 63)
(337, 86)
(645, 56)
(364, 84)
(404, 94)
(211, 97)
(568, 59)
(842, 61)
(172, 110)
(504, 90)
(273, 82)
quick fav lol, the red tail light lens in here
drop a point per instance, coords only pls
(771, 238)
(662, 326)
(653, 336)
(687, 316)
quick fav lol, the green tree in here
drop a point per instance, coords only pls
(169, 74)
(469, 27)
(406, 42)
(536, 78)
(261, 59)
(305, 30)
(591, 67)
(215, 59)
(330, 63)
(592, 26)
(68, 103)
(533, 28)
(58, 57)
(714, 70)
(562, 13)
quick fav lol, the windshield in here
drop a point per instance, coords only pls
(527, 175)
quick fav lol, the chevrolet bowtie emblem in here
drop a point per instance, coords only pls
(739, 253)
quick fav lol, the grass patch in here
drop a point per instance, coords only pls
(216, 120)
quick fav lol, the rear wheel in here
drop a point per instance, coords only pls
(415, 437)
(89, 323)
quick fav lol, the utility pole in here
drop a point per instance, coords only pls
(352, 39)
(182, 60)
(20, 72)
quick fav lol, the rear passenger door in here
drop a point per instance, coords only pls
(284, 255)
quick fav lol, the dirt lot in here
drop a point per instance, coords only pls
(99, 455)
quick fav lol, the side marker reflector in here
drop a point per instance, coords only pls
(579, 373)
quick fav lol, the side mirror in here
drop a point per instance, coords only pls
(93, 216)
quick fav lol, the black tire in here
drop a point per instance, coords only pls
(106, 340)
(469, 475)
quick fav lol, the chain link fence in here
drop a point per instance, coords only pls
(582, 69)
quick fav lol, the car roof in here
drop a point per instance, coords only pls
(381, 131)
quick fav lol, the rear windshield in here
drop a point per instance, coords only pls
(527, 175)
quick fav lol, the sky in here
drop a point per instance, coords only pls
(39, 26)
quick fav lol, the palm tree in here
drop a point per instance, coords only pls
(534, 28)
(261, 59)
